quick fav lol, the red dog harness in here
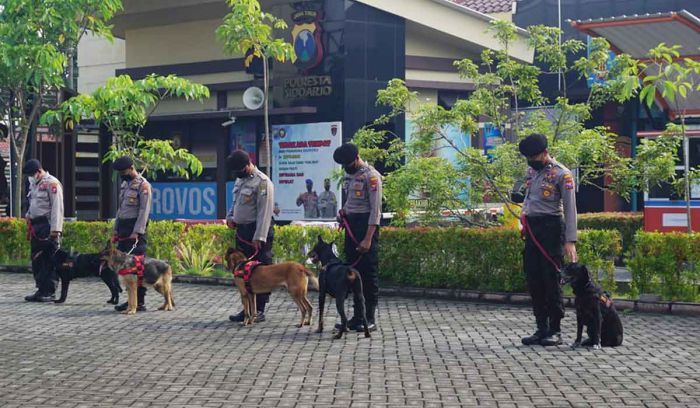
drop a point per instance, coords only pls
(137, 269)
(246, 272)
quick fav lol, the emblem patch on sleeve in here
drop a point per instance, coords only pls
(54, 188)
(568, 182)
(373, 183)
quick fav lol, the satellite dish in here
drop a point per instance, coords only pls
(253, 98)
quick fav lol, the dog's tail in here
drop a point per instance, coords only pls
(312, 278)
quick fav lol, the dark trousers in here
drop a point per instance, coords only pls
(542, 277)
(43, 249)
(368, 266)
(247, 232)
(124, 229)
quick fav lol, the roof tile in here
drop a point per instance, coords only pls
(486, 6)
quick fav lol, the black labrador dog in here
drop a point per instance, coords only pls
(338, 280)
(594, 309)
(75, 265)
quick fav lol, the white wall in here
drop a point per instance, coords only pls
(98, 59)
(174, 44)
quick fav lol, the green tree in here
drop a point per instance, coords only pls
(676, 80)
(247, 28)
(502, 87)
(37, 39)
(123, 106)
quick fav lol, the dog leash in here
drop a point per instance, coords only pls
(345, 225)
(136, 242)
(250, 244)
(121, 239)
(31, 233)
(526, 227)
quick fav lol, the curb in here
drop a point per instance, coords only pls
(518, 299)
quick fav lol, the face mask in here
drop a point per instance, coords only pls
(536, 164)
(32, 179)
(350, 168)
(127, 177)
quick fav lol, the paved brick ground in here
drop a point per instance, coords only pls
(428, 353)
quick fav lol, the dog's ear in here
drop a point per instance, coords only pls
(320, 239)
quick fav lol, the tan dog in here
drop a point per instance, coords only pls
(156, 273)
(265, 278)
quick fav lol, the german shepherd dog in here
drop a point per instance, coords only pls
(265, 278)
(594, 309)
(70, 266)
(338, 280)
(156, 273)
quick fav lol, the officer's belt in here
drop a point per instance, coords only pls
(544, 217)
(39, 220)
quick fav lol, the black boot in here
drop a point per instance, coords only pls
(238, 317)
(33, 297)
(141, 302)
(353, 324)
(370, 320)
(260, 317)
(542, 331)
(553, 338)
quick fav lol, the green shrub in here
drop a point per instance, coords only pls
(194, 260)
(597, 249)
(483, 259)
(487, 259)
(627, 223)
(14, 246)
(162, 238)
(86, 237)
(666, 264)
(215, 238)
(293, 242)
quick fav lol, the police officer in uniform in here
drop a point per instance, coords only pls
(362, 188)
(251, 216)
(45, 223)
(327, 202)
(549, 212)
(309, 200)
(132, 217)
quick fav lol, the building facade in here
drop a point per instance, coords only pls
(347, 50)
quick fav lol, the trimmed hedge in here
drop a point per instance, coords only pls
(14, 247)
(666, 264)
(627, 223)
(482, 259)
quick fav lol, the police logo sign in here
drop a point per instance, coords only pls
(306, 38)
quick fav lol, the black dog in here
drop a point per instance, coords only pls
(71, 266)
(338, 280)
(594, 309)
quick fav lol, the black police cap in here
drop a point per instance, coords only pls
(31, 167)
(122, 163)
(533, 145)
(346, 154)
(238, 160)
